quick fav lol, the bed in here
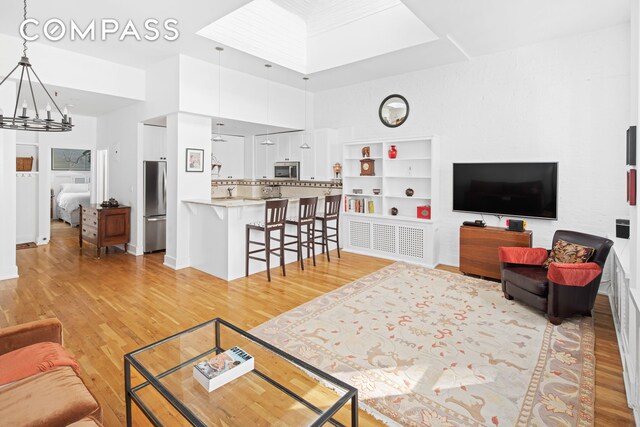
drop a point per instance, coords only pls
(68, 202)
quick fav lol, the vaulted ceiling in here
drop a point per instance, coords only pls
(464, 29)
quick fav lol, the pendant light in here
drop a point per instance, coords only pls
(305, 145)
(268, 141)
(218, 136)
(23, 121)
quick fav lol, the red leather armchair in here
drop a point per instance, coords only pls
(562, 290)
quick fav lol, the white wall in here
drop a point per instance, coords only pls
(8, 267)
(564, 100)
(120, 132)
(63, 68)
(244, 96)
(184, 131)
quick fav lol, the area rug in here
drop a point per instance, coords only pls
(428, 347)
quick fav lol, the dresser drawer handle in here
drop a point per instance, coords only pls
(94, 234)
(95, 223)
(84, 230)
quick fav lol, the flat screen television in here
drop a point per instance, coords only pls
(510, 189)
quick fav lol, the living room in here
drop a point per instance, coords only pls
(483, 83)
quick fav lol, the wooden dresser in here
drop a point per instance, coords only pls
(479, 248)
(105, 227)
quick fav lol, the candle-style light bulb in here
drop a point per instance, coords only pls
(65, 114)
(48, 111)
(24, 108)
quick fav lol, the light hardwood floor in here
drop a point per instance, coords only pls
(119, 303)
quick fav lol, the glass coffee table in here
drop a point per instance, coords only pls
(281, 390)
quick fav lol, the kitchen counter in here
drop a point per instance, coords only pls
(217, 230)
(239, 201)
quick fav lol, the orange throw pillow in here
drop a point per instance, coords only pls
(33, 359)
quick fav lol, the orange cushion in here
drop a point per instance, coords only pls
(527, 256)
(573, 274)
(33, 359)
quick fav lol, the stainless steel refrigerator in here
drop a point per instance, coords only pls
(155, 206)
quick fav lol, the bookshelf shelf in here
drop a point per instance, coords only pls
(370, 227)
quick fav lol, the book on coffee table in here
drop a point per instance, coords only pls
(223, 368)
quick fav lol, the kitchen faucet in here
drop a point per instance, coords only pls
(230, 191)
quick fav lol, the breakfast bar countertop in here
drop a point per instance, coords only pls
(233, 202)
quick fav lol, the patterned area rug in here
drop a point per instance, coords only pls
(428, 347)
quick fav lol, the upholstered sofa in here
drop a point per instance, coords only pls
(53, 396)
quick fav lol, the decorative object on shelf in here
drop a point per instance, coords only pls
(216, 166)
(393, 111)
(305, 144)
(424, 212)
(409, 192)
(268, 141)
(218, 136)
(393, 153)
(367, 167)
(23, 121)
(66, 159)
(376, 191)
(394, 211)
(194, 160)
(366, 151)
(111, 203)
(357, 191)
(337, 169)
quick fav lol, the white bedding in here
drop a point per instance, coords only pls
(70, 201)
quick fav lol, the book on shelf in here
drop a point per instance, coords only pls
(359, 205)
(222, 368)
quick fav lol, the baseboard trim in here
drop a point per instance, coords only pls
(625, 371)
(173, 263)
(8, 273)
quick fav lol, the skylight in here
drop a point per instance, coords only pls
(309, 36)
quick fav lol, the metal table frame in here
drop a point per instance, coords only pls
(151, 380)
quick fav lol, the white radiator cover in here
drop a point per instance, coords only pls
(392, 238)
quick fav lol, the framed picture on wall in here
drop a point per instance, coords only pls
(195, 160)
(65, 159)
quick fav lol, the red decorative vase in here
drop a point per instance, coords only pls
(393, 152)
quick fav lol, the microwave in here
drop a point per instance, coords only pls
(286, 170)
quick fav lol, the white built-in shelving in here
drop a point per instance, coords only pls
(376, 230)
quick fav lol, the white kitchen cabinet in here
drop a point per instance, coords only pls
(307, 159)
(155, 143)
(265, 156)
(316, 163)
(230, 155)
(260, 164)
(283, 147)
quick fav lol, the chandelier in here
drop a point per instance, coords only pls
(20, 120)
(218, 136)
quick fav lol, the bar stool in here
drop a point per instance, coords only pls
(331, 213)
(306, 217)
(275, 215)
